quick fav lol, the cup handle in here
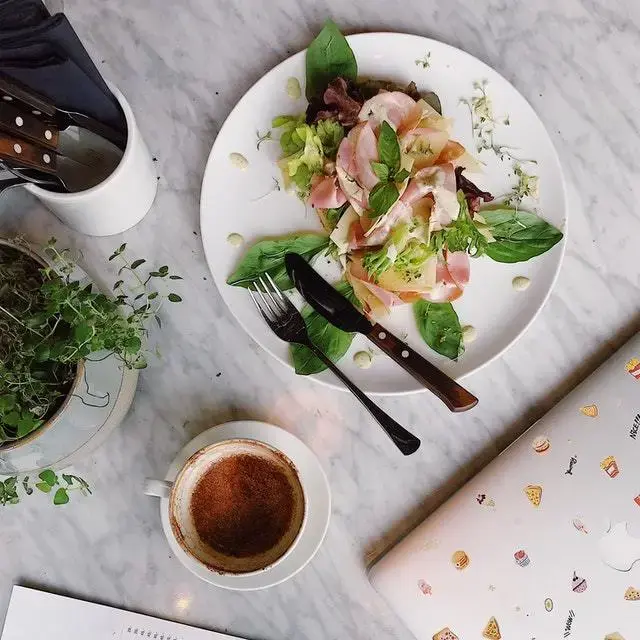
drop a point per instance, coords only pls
(157, 488)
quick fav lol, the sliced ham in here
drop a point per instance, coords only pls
(458, 267)
(379, 232)
(326, 194)
(366, 152)
(452, 275)
(347, 171)
(392, 106)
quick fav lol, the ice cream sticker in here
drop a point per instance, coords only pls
(590, 410)
(492, 630)
(578, 584)
(534, 494)
(610, 466)
(521, 558)
(424, 587)
(579, 525)
(445, 634)
(573, 461)
(633, 367)
(460, 560)
(541, 444)
(632, 594)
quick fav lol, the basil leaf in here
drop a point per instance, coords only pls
(328, 57)
(333, 342)
(439, 327)
(389, 147)
(401, 176)
(382, 198)
(381, 170)
(267, 256)
(520, 235)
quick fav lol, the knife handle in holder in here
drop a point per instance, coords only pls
(26, 154)
(22, 123)
(456, 397)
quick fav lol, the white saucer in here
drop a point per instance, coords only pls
(317, 494)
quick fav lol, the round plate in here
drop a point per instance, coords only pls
(247, 202)
(317, 493)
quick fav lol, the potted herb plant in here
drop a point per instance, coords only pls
(69, 355)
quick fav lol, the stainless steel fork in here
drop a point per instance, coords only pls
(287, 323)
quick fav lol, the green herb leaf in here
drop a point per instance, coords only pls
(382, 198)
(136, 263)
(118, 284)
(82, 332)
(389, 147)
(133, 345)
(44, 487)
(328, 57)
(175, 278)
(61, 497)
(174, 297)
(401, 175)
(439, 327)
(333, 342)
(381, 170)
(520, 235)
(49, 477)
(267, 256)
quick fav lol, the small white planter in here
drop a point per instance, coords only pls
(97, 402)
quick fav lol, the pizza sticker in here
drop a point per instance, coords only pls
(534, 494)
(445, 634)
(492, 630)
(590, 410)
(632, 594)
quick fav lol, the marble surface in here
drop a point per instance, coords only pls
(183, 66)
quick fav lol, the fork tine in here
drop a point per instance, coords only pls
(267, 298)
(259, 307)
(274, 286)
(274, 294)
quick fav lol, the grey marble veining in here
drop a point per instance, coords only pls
(183, 66)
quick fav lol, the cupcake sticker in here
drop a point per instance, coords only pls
(541, 444)
(578, 584)
(521, 558)
(610, 466)
(460, 560)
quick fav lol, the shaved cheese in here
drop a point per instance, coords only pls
(340, 235)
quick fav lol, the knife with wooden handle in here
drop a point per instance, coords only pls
(22, 123)
(24, 153)
(341, 313)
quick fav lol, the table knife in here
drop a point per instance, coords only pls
(342, 314)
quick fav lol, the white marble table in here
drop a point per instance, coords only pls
(183, 65)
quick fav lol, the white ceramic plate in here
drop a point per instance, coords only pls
(244, 202)
(317, 494)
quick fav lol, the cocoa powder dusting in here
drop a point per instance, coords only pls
(243, 505)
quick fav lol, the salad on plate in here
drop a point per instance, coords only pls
(390, 185)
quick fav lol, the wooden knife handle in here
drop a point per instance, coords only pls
(22, 123)
(456, 397)
(26, 154)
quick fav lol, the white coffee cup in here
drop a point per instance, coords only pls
(180, 492)
(121, 200)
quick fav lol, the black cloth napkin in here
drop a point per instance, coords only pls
(18, 14)
(50, 59)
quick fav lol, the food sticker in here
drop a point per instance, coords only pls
(610, 466)
(579, 525)
(424, 587)
(492, 630)
(521, 558)
(633, 367)
(613, 636)
(633, 432)
(548, 605)
(485, 501)
(541, 444)
(632, 594)
(534, 494)
(578, 584)
(569, 623)
(445, 634)
(460, 560)
(573, 460)
(590, 410)
(637, 500)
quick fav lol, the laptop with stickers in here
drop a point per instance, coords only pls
(544, 542)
